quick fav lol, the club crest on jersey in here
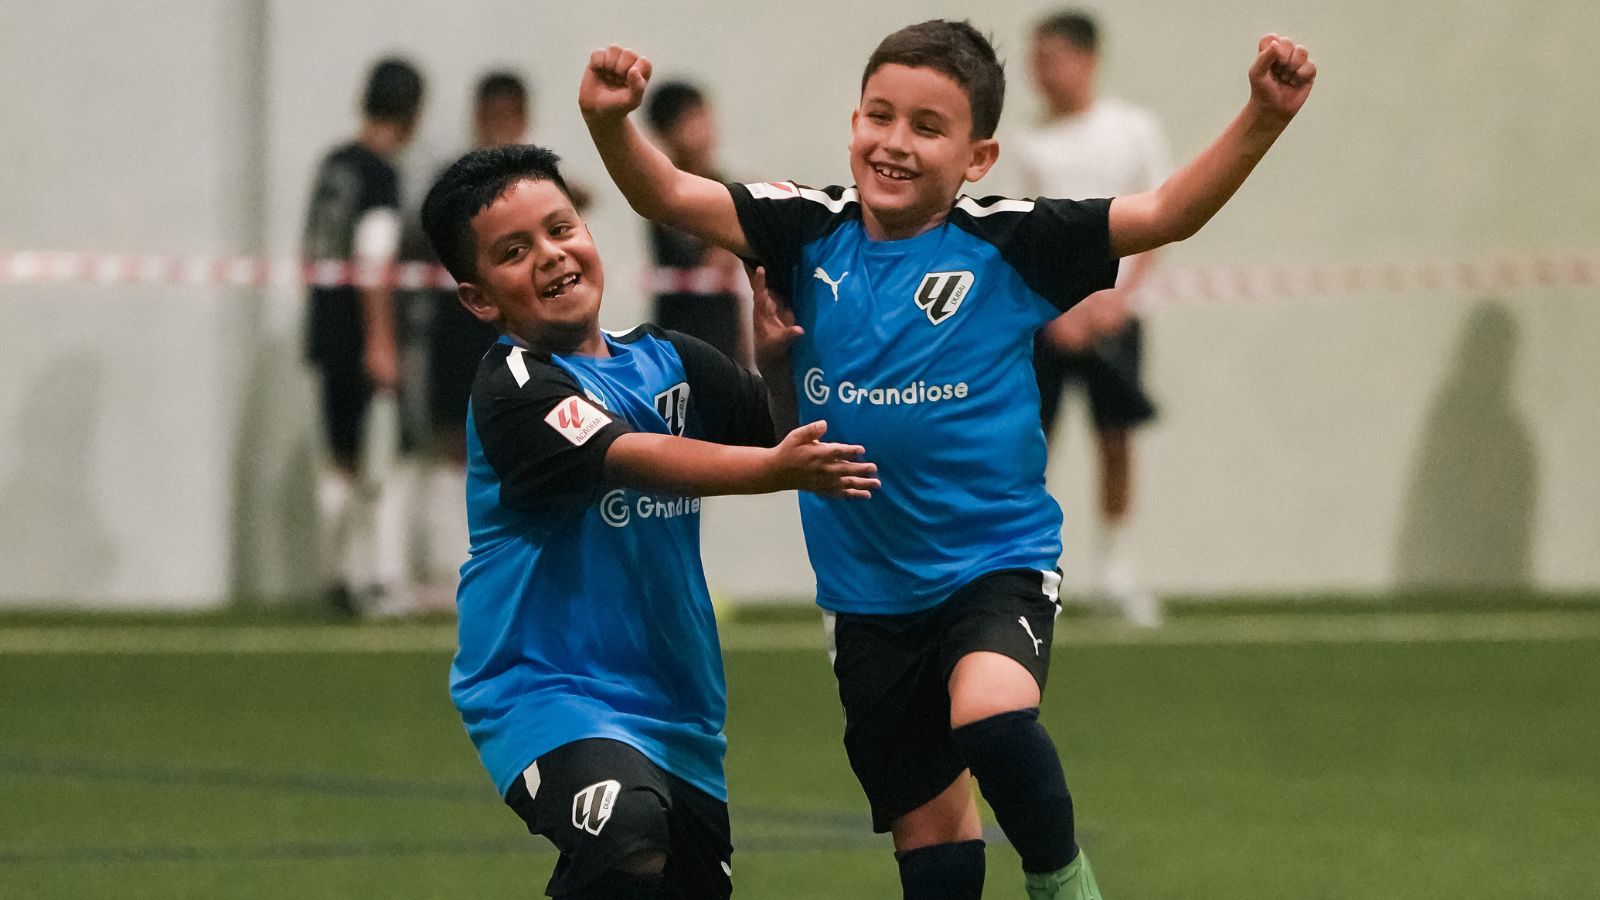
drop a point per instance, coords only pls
(673, 405)
(591, 807)
(576, 419)
(940, 294)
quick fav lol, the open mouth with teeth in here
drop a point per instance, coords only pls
(560, 286)
(893, 172)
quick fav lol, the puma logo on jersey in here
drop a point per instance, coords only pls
(1029, 629)
(940, 294)
(576, 419)
(591, 807)
(823, 276)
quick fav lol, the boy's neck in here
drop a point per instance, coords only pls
(592, 343)
(381, 137)
(1068, 107)
(880, 230)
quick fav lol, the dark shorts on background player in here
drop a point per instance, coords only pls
(894, 674)
(457, 342)
(1110, 372)
(600, 801)
(335, 345)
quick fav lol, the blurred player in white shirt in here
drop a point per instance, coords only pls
(1093, 146)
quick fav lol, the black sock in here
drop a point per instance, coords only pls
(1020, 775)
(942, 871)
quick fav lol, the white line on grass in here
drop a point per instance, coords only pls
(1276, 628)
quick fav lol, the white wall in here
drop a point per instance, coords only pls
(1304, 444)
(118, 408)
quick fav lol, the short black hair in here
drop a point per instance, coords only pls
(468, 187)
(501, 83)
(669, 102)
(394, 91)
(1074, 26)
(955, 49)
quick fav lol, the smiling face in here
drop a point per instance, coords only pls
(911, 149)
(538, 273)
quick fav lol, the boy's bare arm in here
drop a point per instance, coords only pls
(801, 462)
(613, 86)
(1280, 80)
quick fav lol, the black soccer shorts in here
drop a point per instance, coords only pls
(1110, 372)
(600, 801)
(894, 674)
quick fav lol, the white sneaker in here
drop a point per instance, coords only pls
(1140, 608)
(1137, 605)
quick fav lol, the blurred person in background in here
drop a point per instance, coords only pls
(1094, 146)
(353, 343)
(697, 288)
(450, 342)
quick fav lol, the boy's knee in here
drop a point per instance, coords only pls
(650, 862)
(621, 855)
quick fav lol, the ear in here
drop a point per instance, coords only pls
(984, 155)
(477, 302)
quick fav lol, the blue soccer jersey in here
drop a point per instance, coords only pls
(921, 350)
(583, 610)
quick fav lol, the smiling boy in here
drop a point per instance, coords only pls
(918, 309)
(588, 672)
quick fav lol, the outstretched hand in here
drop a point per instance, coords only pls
(613, 84)
(804, 463)
(1281, 76)
(772, 325)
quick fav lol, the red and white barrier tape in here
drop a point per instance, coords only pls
(1169, 285)
(1166, 285)
(212, 271)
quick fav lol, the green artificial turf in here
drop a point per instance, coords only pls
(1440, 769)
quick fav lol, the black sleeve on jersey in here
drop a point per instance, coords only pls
(538, 466)
(777, 229)
(731, 404)
(1061, 248)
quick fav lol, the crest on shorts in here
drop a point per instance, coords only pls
(673, 406)
(591, 807)
(940, 294)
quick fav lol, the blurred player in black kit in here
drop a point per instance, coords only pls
(353, 344)
(698, 289)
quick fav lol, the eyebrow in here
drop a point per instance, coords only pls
(913, 112)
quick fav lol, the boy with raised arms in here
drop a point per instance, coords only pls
(917, 309)
(588, 672)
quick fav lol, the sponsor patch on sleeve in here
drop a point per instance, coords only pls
(576, 419)
(773, 190)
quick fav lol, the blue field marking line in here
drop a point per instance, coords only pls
(149, 774)
(801, 830)
(1375, 626)
(362, 848)
(292, 851)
